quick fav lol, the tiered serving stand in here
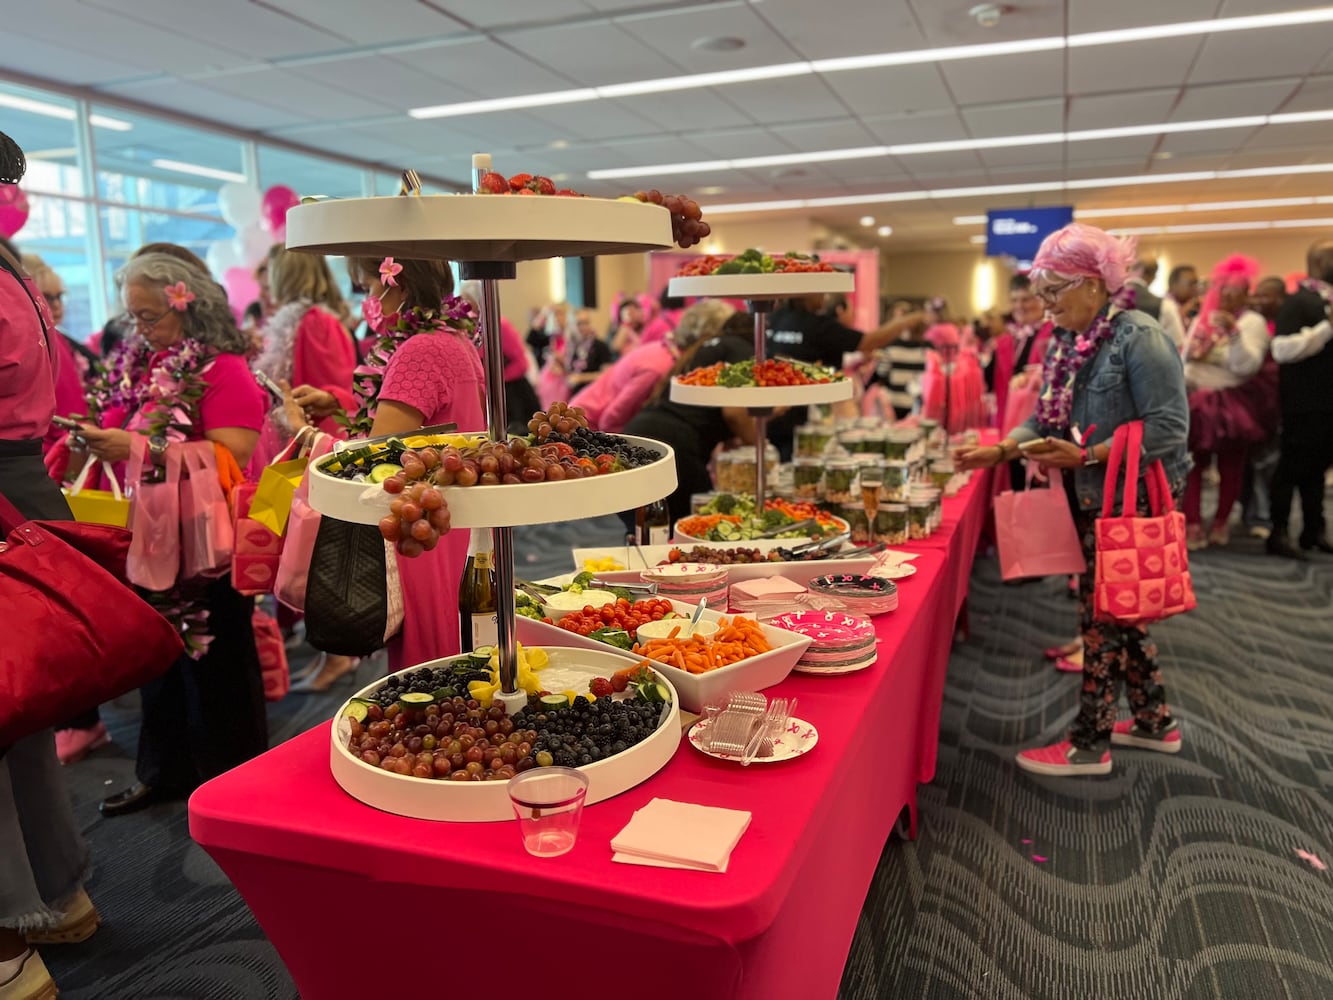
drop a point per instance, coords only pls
(761, 293)
(488, 235)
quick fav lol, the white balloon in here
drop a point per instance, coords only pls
(239, 204)
(252, 243)
(222, 257)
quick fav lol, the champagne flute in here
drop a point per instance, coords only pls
(872, 478)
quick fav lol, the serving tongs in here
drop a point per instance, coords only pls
(448, 428)
(855, 553)
(782, 529)
(819, 547)
(537, 591)
(634, 588)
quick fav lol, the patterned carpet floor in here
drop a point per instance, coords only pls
(1173, 878)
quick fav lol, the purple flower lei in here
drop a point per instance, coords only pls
(166, 393)
(455, 314)
(1065, 358)
(188, 615)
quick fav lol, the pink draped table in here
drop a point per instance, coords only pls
(351, 896)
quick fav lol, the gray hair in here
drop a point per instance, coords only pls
(208, 318)
(701, 321)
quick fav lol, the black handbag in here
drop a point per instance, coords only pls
(354, 601)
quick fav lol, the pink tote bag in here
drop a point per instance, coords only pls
(1035, 533)
(154, 559)
(207, 535)
(1142, 572)
(299, 542)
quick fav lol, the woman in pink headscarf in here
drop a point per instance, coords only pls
(1106, 366)
(1233, 393)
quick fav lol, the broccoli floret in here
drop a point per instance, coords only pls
(774, 519)
(583, 581)
(723, 503)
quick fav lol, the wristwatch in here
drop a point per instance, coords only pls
(157, 449)
(1089, 457)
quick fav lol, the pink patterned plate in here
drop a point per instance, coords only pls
(829, 627)
(798, 739)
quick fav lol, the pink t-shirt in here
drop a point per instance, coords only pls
(28, 365)
(623, 389)
(232, 397)
(439, 374)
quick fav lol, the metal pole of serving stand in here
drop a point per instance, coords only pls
(761, 308)
(502, 537)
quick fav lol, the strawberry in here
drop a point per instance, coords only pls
(526, 190)
(519, 181)
(568, 193)
(543, 185)
(493, 183)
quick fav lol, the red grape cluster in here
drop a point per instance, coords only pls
(558, 417)
(456, 739)
(687, 225)
(417, 514)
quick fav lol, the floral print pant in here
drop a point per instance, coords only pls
(1113, 655)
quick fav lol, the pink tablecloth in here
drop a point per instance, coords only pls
(346, 892)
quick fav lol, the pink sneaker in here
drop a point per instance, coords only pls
(1063, 759)
(1130, 734)
(75, 744)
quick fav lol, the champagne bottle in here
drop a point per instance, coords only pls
(654, 523)
(477, 598)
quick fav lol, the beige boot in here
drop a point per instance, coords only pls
(81, 920)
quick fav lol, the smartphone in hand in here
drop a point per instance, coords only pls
(1035, 443)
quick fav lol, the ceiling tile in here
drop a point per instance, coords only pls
(1006, 78)
(846, 134)
(391, 22)
(1315, 94)
(950, 24)
(786, 100)
(1116, 68)
(22, 53)
(1021, 156)
(861, 27)
(296, 94)
(250, 28)
(483, 65)
(207, 102)
(1306, 136)
(882, 170)
(1242, 55)
(928, 166)
(922, 126)
(735, 143)
(1103, 150)
(1116, 110)
(490, 14)
(1021, 118)
(673, 32)
(891, 89)
(389, 83)
(1216, 141)
(592, 54)
(705, 109)
(1084, 17)
(595, 120)
(1255, 97)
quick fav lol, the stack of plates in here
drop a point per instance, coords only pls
(841, 643)
(861, 595)
(688, 582)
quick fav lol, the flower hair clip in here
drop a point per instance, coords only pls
(179, 296)
(389, 271)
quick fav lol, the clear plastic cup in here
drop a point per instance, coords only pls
(548, 802)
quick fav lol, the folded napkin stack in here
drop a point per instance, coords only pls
(667, 834)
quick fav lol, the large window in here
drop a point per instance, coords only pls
(143, 179)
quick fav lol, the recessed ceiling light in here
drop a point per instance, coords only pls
(867, 220)
(885, 230)
(718, 43)
(1165, 154)
(558, 144)
(712, 189)
(976, 239)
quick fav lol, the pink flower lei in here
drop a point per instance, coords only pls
(1321, 288)
(456, 315)
(1068, 353)
(165, 391)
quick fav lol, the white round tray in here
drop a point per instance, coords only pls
(679, 538)
(488, 801)
(761, 395)
(478, 227)
(759, 286)
(504, 506)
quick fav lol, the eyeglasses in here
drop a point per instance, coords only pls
(142, 323)
(1049, 295)
(53, 297)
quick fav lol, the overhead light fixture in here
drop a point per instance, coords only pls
(885, 230)
(695, 81)
(58, 111)
(976, 240)
(982, 191)
(196, 170)
(969, 220)
(867, 220)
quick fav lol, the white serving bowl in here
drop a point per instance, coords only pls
(662, 629)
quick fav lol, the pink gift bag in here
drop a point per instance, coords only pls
(155, 520)
(1035, 533)
(299, 542)
(254, 561)
(207, 535)
(272, 655)
(1142, 572)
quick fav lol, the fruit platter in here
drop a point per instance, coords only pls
(756, 560)
(732, 517)
(553, 473)
(768, 383)
(729, 653)
(431, 742)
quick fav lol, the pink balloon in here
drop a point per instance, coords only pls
(242, 289)
(13, 209)
(273, 209)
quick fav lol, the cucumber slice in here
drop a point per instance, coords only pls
(357, 709)
(552, 701)
(663, 692)
(383, 471)
(415, 699)
(444, 693)
(482, 654)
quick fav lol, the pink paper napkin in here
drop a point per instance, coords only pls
(669, 834)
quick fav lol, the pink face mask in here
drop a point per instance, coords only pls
(373, 312)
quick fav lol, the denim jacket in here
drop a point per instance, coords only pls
(1136, 375)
